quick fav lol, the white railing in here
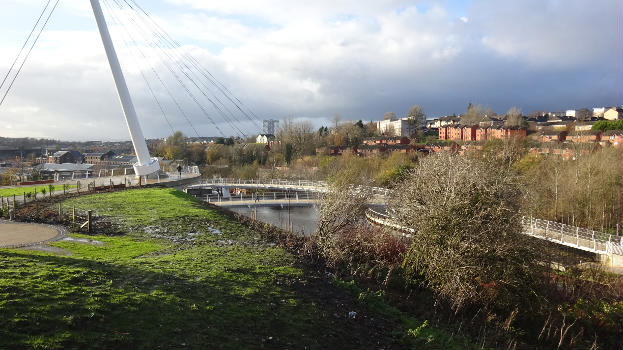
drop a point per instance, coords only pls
(318, 186)
(261, 198)
(384, 220)
(571, 236)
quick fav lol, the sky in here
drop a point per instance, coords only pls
(311, 60)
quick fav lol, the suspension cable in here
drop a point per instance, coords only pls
(28, 53)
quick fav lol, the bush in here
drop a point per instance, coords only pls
(467, 243)
(604, 125)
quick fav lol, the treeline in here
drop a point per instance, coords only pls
(584, 191)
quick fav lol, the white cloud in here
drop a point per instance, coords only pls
(315, 59)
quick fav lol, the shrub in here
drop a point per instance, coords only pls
(467, 242)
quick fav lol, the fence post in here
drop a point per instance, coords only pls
(577, 236)
(547, 228)
(89, 221)
(35, 193)
(594, 242)
(73, 217)
(24, 197)
(14, 200)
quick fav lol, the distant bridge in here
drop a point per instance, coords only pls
(266, 184)
(275, 185)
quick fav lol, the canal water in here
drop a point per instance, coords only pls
(304, 219)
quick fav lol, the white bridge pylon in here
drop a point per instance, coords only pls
(145, 164)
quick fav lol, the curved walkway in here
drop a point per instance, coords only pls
(14, 235)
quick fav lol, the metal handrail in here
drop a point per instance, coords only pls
(571, 236)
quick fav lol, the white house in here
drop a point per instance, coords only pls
(570, 113)
(598, 112)
(392, 127)
(265, 138)
(613, 113)
(442, 121)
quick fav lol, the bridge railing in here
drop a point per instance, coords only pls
(266, 182)
(573, 236)
(261, 198)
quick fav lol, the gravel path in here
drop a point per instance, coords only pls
(13, 235)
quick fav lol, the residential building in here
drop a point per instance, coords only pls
(442, 121)
(469, 133)
(397, 127)
(570, 113)
(98, 157)
(475, 133)
(442, 133)
(553, 136)
(61, 157)
(482, 134)
(598, 112)
(391, 140)
(585, 136)
(265, 138)
(613, 113)
(584, 126)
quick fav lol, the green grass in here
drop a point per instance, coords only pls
(19, 191)
(204, 281)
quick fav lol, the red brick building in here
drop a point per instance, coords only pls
(475, 133)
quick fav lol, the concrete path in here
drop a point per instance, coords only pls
(14, 235)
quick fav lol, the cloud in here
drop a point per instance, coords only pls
(325, 57)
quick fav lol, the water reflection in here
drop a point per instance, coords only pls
(304, 219)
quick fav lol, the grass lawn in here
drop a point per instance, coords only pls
(19, 191)
(183, 276)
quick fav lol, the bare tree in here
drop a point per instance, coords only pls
(416, 118)
(473, 115)
(467, 240)
(389, 116)
(514, 118)
(343, 206)
(583, 114)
